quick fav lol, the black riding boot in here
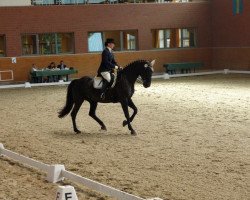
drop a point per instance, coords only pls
(105, 87)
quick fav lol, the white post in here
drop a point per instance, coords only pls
(166, 76)
(55, 173)
(27, 85)
(226, 71)
(1, 148)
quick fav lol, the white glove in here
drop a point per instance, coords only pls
(116, 67)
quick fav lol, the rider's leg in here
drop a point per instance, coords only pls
(106, 83)
(105, 87)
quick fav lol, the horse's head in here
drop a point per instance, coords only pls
(146, 73)
(141, 69)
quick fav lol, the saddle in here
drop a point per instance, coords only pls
(98, 81)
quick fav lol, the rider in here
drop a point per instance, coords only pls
(107, 65)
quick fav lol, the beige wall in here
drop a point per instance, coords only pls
(15, 2)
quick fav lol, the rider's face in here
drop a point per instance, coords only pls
(111, 45)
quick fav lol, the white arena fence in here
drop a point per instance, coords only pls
(225, 71)
(29, 85)
(164, 76)
(57, 173)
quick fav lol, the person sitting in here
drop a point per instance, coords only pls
(108, 63)
(34, 78)
(53, 78)
(52, 65)
(61, 65)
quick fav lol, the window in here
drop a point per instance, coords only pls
(2, 45)
(187, 37)
(129, 40)
(29, 45)
(161, 38)
(43, 2)
(179, 1)
(124, 40)
(174, 38)
(95, 42)
(47, 43)
(65, 43)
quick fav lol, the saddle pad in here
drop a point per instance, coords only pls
(97, 82)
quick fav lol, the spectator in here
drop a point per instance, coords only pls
(61, 65)
(52, 65)
(53, 78)
(34, 78)
(34, 68)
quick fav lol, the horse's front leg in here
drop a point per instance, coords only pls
(131, 105)
(126, 113)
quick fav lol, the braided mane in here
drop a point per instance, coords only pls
(133, 70)
(135, 63)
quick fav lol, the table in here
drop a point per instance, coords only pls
(171, 68)
(50, 73)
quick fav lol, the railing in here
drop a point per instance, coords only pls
(65, 2)
(70, 2)
(57, 173)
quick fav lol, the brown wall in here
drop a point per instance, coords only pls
(82, 19)
(235, 58)
(87, 64)
(231, 36)
(223, 39)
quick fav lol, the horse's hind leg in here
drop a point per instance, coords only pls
(74, 112)
(93, 106)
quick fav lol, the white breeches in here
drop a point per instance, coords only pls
(106, 76)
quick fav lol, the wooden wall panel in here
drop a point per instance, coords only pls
(87, 64)
(231, 58)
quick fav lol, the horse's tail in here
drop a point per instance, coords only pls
(69, 101)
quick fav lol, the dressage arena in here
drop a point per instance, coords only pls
(193, 141)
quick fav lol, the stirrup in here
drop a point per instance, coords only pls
(103, 96)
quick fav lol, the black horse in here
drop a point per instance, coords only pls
(82, 89)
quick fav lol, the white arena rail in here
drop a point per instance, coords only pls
(225, 71)
(110, 191)
(24, 160)
(29, 85)
(164, 76)
(239, 72)
(57, 173)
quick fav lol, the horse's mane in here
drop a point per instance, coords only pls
(134, 63)
(132, 70)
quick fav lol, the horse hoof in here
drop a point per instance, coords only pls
(133, 133)
(103, 128)
(77, 131)
(124, 123)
